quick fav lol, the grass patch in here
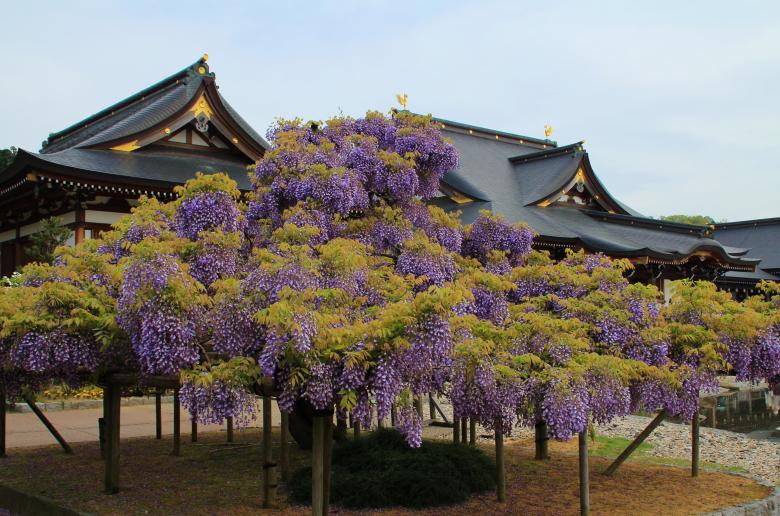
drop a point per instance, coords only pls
(381, 470)
(611, 447)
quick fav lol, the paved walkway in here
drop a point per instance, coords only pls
(25, 429)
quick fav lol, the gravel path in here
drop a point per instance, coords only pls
(760, 458)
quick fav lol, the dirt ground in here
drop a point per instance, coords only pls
(213, 477)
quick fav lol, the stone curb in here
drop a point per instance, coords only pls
(769, 506)
(22, 504)
(57, 406)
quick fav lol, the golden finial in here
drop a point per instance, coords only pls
(548, 130)
(205, 57)
(402, 98)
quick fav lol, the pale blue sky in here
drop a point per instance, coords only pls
(679, 102)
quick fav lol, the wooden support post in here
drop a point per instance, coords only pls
(194, 429)
(230, 426)
(542, 440)
(176, 424)
(472, 431)
(393, 416)
(584, 474)
(318, 464)
(327, 464)
(455, 430)
(464, 434)
(53, 431)
(284, 446)
(695, 445)
(102, 436)
(500, 469)
(269, 466)
(356, 429)
(635, 443)
(380, 423)
(431, 406)
(2, 420)
(158, 414)
(418, 405)
(112, 400)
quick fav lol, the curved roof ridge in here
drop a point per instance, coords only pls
(192, 70)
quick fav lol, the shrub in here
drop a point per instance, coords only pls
(381, 470)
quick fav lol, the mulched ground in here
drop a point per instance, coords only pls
(212, 477)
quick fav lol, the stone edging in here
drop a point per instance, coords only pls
(769, 506)
(56, 406)
(18, 502)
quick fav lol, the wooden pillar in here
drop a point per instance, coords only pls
(464, 435)
(230, 426)
(269, 466)
(472, 431)
(111, 416)
(356, 429)
(79, 229)
(284, 446)
(500, 469)
(158, 414)
(194, 429)
(431, 406)
(584, 474)
(418, 405)
(318, 464)
(455, 430)
(393, 416)
(327, 464)
(2, 420)
(176, 424)
(542, 440)
(695, 445)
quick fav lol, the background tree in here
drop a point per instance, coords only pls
(43, 243)
(696, 220)
(6, 157)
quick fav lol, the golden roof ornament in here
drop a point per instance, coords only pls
(205, 57)
(548, 130)
(402, 98)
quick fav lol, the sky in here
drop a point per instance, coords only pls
(678, 102)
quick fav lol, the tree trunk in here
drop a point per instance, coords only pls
(542, 440)
(500, 469)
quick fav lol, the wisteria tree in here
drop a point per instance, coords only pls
(337, 284)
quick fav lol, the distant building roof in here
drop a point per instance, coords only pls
(557, 193)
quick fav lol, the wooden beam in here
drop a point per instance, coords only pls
(455, 430)
(194, 429)
(464, 435)
(328, 455)
(584, 474)
(431, 406)
(53, 431)
(112, 395)
(230, 427)
(635, 443)
(472, 431)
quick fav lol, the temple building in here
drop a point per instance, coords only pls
(762, 237)
(94, 171)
